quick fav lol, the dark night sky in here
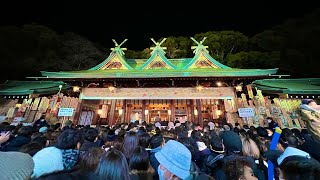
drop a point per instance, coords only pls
(100, 22)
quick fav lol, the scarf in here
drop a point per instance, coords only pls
(69, 158)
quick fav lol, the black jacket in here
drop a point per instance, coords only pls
(16, 143)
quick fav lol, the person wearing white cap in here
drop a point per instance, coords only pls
(294, 164)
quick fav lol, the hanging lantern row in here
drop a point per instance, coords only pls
(16, 97)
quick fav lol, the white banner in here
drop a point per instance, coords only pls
(158, 93)
(65, 112)
(246, 112)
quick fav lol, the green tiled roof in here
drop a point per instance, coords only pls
(153, 73)
(139, 68)
(289, 86)
(31, 87)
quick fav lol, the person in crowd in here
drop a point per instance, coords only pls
(175, 161)
(139, 165)
(41, 122)
(310, 113)
(190, 127)
(131, 142)
(239, 168)
(252, 152)
(144, 140)
(272, 124)
(232, 147)
(156, 143)
(90, 159)
(64, 156)
(38, 142)
(23, 137)
(294, 164)
(113, 166)
(90, 137)
(15, 165)
(31, 148)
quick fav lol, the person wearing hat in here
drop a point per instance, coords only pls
(175, 161)
(310, 113)
(294, 164)
(15, 165)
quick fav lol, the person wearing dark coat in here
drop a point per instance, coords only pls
(156, 143)
(41, 122)
(21, 139)
(272, 123)
(90, 135)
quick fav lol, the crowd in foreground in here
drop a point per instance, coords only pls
(146, 151)
(151, 151)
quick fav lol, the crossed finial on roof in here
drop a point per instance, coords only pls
(199, 45)
(158, 44)
(118, 46)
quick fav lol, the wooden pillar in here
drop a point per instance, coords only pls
(192, 110)
(173, 110)
(123, 116)
(78, 112)
(199, 108)
(128, 113)
(143, 110)
(112, 109)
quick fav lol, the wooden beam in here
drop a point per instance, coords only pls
(112, 109)
(173, 110)
(200, 120)
(143, 110)
(123, 116)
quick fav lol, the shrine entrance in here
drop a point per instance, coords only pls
(157, 104)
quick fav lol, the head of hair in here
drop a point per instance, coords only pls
(234, 169)
(31, 148)
(191, 145)
(156, 141)
(189, 125)
(113, 165)
(169, 135)
(104, 135)
(90, 159)
(263, 144)
(25, 131)
(131, 141)
(196, 135)
(40, 139)
(250, 148)
(69, 139)
(139, 160)
(292, 141)
(181, 132)
(206, 140)
(144, 140)
(91, 134)
(297, 167)
(216, 142)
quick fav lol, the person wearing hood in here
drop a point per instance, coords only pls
(64, 156)
(310, 113)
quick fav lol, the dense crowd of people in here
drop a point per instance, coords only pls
(151, 151)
